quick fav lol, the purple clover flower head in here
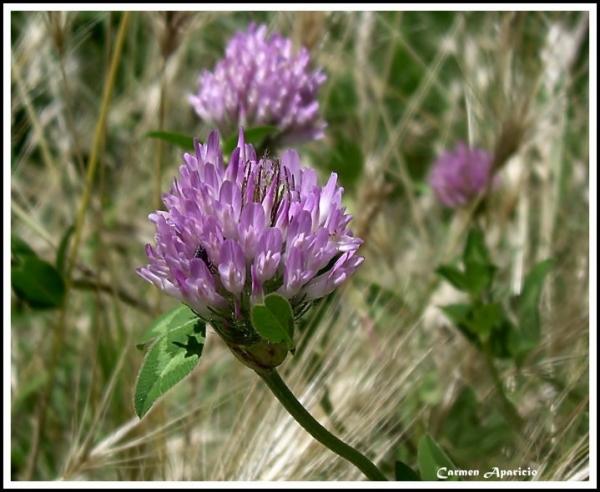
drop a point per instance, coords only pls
(262, 81)
(232, 234)
(458, 176)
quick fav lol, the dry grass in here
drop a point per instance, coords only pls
(403, 85)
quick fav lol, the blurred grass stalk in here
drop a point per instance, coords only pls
(60, 331)
(393, 370)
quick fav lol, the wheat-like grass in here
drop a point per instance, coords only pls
(379, 368)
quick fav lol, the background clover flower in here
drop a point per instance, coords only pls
(458, 176)
(262, 81)
(232, 234)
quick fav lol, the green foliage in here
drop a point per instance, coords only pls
(473, 430)
(475, 248)
(192, 346)
(386, 92)
(528, 333)
(38, 283)
(404, 473)
(343, 100)
(346, 159)
(184, 142)
(480, 323)
(344, 153)
(431, 458)
(274, 320)
(18, 247)
(454, 276)
(257, 136)
(477, 273)
(172, 356)
(63, 248)
(486, 320)
(177, 317)
(34, 280)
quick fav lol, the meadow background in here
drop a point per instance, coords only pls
(378, 363)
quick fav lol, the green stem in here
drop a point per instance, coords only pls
(96, 144)
(306, 420)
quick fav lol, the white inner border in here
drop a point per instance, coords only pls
(591, 8)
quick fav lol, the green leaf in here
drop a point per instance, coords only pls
(486, 317)
(192, 346)
(499, 342)
(177, 317)
(346, 159)
(478, 277)
(478, 269)
(170, 358)
(462, 418)
(460, 315)
(274, 320)
(457, 313)
(342, 101)
(454, 276)
(37, 282)
(480, 323)
(63, 247)
(473, 429)
(18, 247)
(431, 458)
(478, 272)
(183, 141)
(405, 473)
(527, 304)
(255, 136)
(475, 249)
(528, 334)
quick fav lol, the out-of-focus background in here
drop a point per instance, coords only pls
(378, 364)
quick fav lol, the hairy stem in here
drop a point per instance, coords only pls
(307, 421)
